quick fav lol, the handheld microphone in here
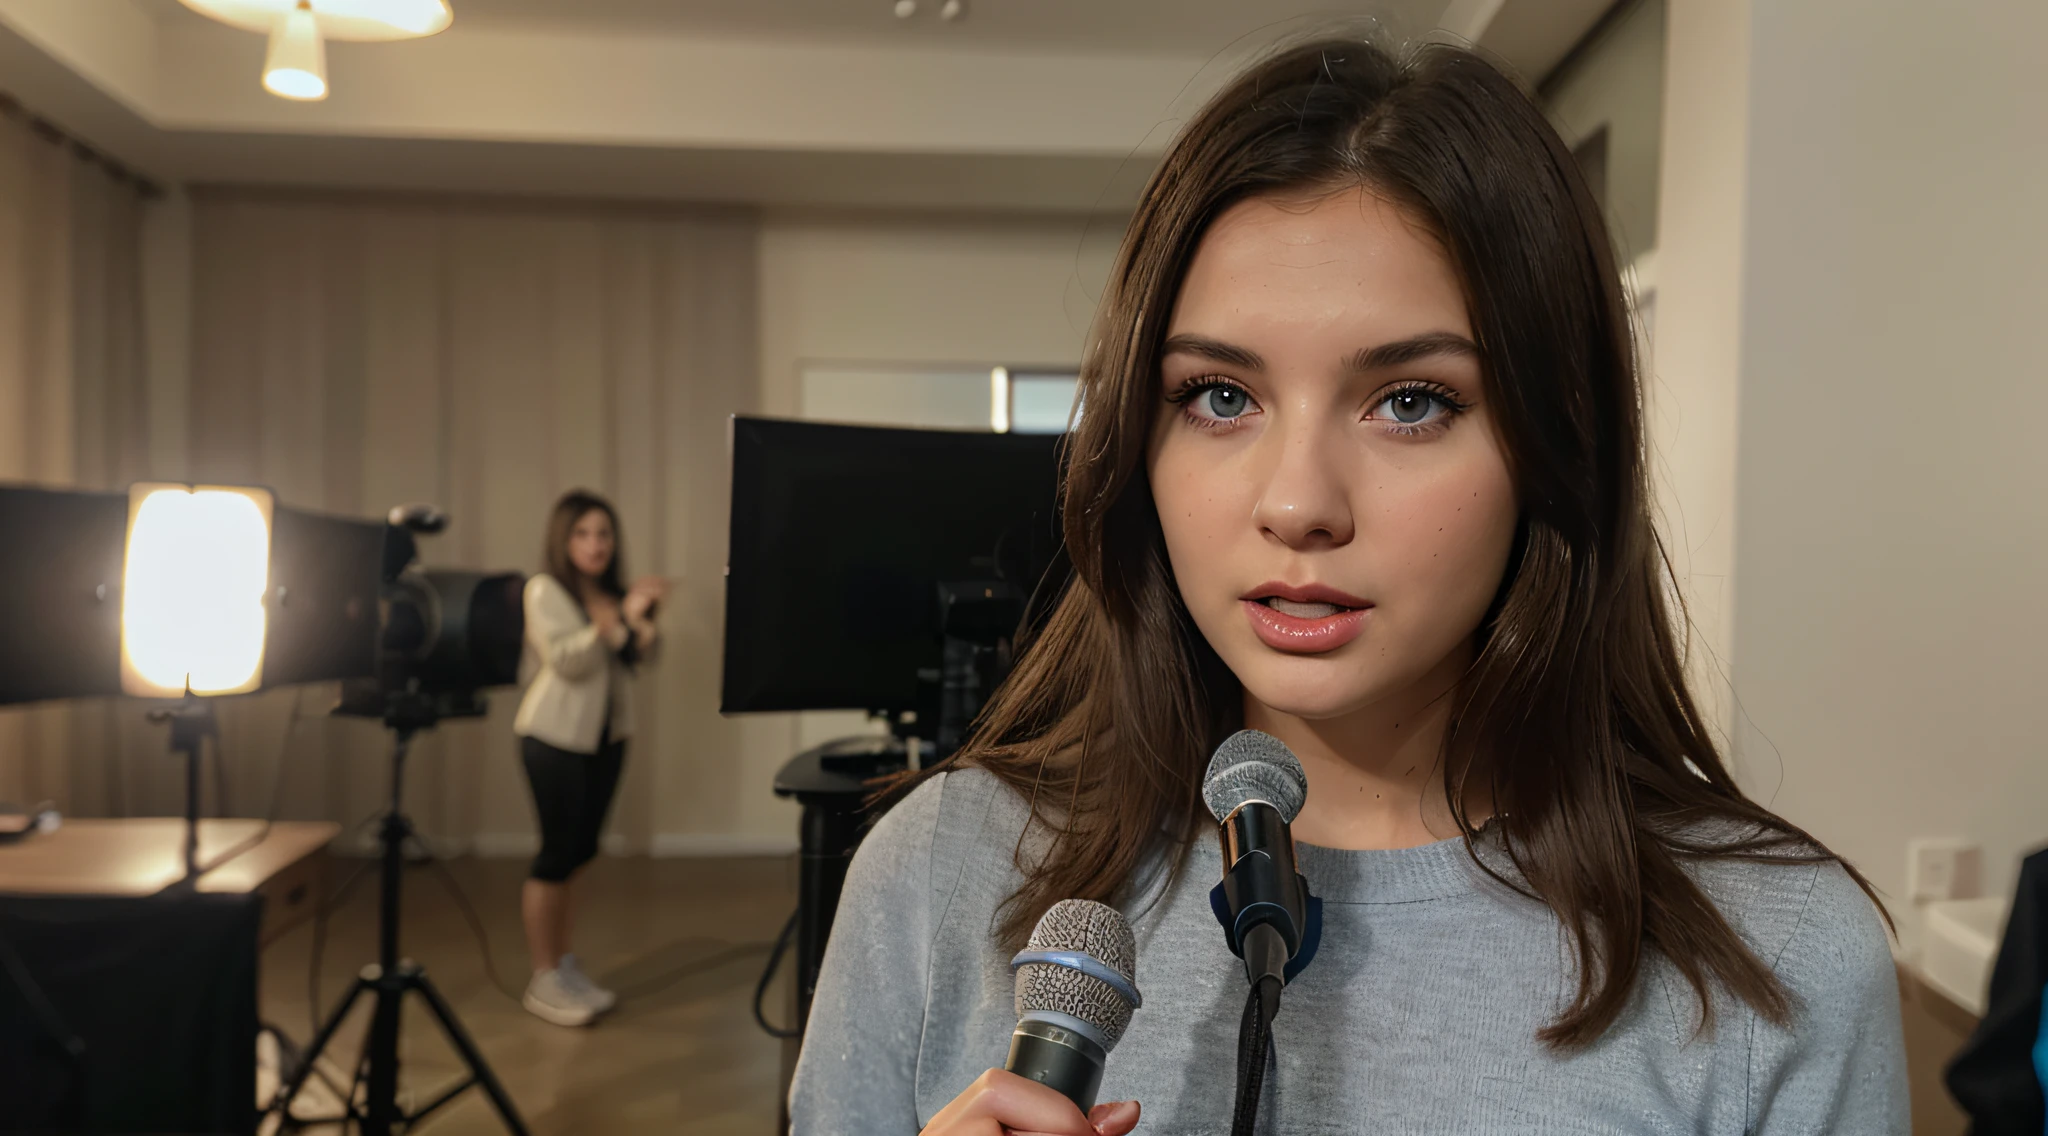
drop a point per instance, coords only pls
(1255, 787)
(1076, 991)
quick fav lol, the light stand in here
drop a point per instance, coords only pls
(192, 721)
(388, 981)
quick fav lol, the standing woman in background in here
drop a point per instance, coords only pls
(585, 635)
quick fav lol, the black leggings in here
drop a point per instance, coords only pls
(571, 792)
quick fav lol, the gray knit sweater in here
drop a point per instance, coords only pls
(1418, 1014)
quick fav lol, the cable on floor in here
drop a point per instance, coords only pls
(277, 768)
(768, 975)
(476, 923)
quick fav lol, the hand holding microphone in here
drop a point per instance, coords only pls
(1001, 1103)
(1075, 997)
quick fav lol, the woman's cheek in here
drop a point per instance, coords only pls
(1197, 516)
(1455, 544)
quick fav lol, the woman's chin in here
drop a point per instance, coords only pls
(1311, 693)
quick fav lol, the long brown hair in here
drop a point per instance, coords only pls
(1576, 712)
(572, 507)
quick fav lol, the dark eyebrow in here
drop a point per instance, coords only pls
(1366, 359)
(1214, 350)
(1409, 350)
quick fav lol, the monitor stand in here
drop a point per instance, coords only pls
(832, 783)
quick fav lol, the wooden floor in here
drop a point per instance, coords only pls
(681, 941)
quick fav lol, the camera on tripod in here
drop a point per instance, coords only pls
(444, 634)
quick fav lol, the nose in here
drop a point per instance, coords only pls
(1304, 503)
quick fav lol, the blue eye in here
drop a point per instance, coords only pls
(1413, 407)
(1222, 402)
(1214, 403)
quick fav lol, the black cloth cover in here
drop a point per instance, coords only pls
(122, 1015)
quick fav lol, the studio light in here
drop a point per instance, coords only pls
(192, 590)
(296, 64)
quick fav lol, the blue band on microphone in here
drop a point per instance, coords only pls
(1085, 963)
(1311, 935)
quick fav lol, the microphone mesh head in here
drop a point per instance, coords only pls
(1254, 766)
(1090, 928)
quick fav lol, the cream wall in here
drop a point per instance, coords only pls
(1619, 83)
(1892, 522)
(1690, 388)
(1853, 262)
(849, 287)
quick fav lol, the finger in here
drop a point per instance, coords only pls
(1115, 1118)
(1022, 1105)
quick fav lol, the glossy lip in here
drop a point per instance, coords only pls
(1305, 593)
(1295, 635)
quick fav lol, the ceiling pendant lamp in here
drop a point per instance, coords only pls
(295, 67)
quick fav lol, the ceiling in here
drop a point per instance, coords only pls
(1059, 105)
(1164, 27)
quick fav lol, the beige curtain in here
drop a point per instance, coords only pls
(355, 352)
(73, 412)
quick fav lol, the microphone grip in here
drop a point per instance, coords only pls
(1059, 1058)
(1265, 954)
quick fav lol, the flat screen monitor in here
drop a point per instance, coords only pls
(840, 538)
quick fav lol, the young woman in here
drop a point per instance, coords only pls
(1364, 468)
(585, 634)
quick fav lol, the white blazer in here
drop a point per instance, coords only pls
(572, 676)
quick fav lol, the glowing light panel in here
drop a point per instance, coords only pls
(192, 615)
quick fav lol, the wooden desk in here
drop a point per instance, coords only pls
(140, 856)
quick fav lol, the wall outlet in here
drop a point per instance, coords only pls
(1943, 868)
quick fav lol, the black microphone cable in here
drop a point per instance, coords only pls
(1254, 1051)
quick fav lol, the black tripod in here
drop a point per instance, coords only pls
(389, 980)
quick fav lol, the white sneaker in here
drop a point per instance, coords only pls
(551, 998)
(574, 978)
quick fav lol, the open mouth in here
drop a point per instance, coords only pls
(1305, 619)
(1304, 610)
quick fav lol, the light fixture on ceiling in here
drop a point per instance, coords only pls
(952, 10)
(295, 66)
(906, 9)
